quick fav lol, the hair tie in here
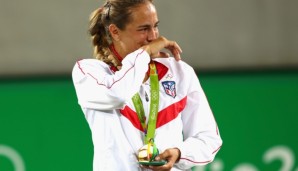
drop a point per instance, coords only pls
(108, 5)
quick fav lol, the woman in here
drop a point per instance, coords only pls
(131, 75)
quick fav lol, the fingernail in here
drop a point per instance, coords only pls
(157, 158)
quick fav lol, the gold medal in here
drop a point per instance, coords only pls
(148, 152)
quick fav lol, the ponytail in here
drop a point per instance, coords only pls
(100, 37)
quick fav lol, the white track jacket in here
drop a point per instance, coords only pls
(185, 120)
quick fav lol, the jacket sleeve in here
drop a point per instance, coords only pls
(200, 132)
(98, 88)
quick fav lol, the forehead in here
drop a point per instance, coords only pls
(144, 14)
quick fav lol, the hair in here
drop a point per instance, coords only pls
(116, 12)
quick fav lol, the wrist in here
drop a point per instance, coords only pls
(147, 49)
(179, 154)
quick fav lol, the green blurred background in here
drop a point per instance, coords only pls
(244, 52)
(256, 112)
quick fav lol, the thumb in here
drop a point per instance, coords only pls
(162, 156)
(164, 54)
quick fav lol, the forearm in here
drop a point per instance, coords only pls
(98, 88)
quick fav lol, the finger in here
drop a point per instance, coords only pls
(163, 156)
(177, 55)
(164, 54)
(160, 55)
(174, 45)
(175, 50)
(178, 47)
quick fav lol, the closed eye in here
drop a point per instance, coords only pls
(143, 29)
(146, 27)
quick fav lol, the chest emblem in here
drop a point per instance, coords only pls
(170, 88)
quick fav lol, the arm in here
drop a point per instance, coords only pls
(201, 136)
(98, 88)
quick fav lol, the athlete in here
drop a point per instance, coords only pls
(133, 94)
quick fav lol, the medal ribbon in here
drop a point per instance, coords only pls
(149, 130)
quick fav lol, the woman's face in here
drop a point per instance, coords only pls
(142, 29)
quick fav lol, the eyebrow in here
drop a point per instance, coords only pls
(147, 25)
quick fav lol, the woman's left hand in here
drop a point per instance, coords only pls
(155, 46)
(171, 155)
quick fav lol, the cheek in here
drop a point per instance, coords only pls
(156, 30)
(141, 36)
(140, 40)
(134, 44)
(136, 41)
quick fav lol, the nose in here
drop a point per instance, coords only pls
(152, 34)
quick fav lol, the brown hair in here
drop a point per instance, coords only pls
(116, 12)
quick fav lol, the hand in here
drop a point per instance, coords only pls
(154, 48)
(171, 155)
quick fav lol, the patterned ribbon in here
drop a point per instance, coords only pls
(149, 129)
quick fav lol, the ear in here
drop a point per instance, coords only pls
(115, 32)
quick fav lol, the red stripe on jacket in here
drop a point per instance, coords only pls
(164, 116)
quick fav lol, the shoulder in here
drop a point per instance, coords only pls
(176, 66)
(90, 63)
(86, 67)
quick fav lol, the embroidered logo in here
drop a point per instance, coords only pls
(169, 76)
(170, 88)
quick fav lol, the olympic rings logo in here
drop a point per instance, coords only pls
(13, 156)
